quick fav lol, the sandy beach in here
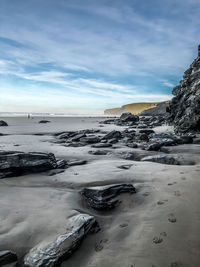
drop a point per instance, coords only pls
(156, 227)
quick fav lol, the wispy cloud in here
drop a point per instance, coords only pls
(100, 51)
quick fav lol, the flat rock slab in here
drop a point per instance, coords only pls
(51, 253)
(102, 197)
(164, 159)
(15, 163)
(7, 257)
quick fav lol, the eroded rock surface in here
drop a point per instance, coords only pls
(102, 197)
(51, 253)
(185, 106)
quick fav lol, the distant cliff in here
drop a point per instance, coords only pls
(134, 108)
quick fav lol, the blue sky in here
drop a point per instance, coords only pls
(83, 56)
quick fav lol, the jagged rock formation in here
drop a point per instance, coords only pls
(15, 163)
(51, 253)
(185, 106)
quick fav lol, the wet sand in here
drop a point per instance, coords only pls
(156, 227)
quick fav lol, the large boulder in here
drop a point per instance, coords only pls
(185, 106)
(15, 163)
(53, 251)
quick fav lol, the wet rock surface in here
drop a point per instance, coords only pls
(102, 197)
(185, 106)
(53, 252)
(14, 163)
(7, 257)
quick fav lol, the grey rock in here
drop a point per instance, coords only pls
(99, 152)
(102, 197)
(101, 145)
(90, 139)
(76, 162)
(164, 159)
(113, 134)
(52, 252)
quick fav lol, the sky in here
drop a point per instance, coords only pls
(83, 56)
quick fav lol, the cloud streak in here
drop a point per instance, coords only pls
(100, 51)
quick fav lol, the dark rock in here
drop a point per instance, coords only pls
(53, 252)
(77, 137)
(6, 257)
(144, 137)
(164, 159)
(147, 131)
(18, 163)
(101, 198)
(113, 134)
(102, 145)
(76, 162)
(65, 135)
(99, 152)
(125, 167)
(90, 139)
(125, 117)
(44, 121)
(3, 123)
(132, 145)
(185, 106)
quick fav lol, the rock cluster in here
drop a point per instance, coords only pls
(15, 163)
(185, 106)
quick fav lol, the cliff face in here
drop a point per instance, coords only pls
(134, 108)
(185, 106)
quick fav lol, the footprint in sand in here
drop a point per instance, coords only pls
(183, 178)
(161, 202)
(176, 264)
(172, 218)
(122, 225)
(99, 246)
(163, 234)
(177, 193)
(172, 183)
(157, 240)
(146, 194)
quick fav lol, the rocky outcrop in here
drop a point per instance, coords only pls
(185, 106)
(102, 197)
(15, 163)
(53, 252)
